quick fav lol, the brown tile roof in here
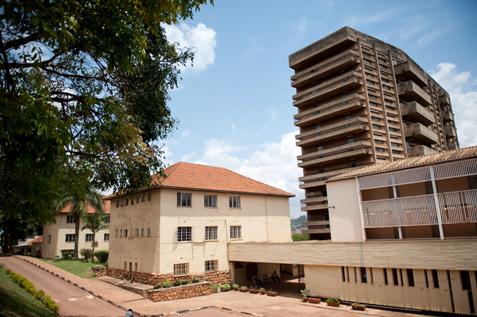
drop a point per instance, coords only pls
(89, 208)
(211, 178)
(447, 156)
(38, 239)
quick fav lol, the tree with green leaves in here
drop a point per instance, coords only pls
(84, 97)
(94, 222)
(78, 203)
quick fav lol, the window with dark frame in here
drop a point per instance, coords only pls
(410, 277)
(106, 237)
(210, 201)
(184, 199)
(69, 237)
(235, 232)
(385, 273)
(465, 280)
(364, 277)
(211, 266)
(211, 233)
(89, 237)
(395, 276)
(426, 279)
(234, 201)
(343, 277)
(184, 234)
(70, 219)
(435, 278)
(181, 268)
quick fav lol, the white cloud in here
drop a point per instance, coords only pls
(253, 47)
(272, 115)
(200, 38)
(273, 163)
(185, 133)
(462, 88)
(378, 17)
(301, 27)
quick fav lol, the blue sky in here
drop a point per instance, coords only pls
(234, 105)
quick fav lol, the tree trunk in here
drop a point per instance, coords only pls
(92, 247)
(77, 230)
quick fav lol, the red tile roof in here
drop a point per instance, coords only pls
(38, 239)
(210, 178)
(89, 208)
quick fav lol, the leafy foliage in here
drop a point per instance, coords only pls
(86, 253)
(102, 256)
(84, 92)
(300, 236)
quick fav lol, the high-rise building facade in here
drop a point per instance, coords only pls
(361, 101)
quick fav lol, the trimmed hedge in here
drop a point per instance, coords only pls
(102, 256)
(30, 288)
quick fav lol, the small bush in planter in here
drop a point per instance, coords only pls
(157, 286)
(86, 254)
(177, 282)
(101, 256)
(332, 301)
(253, 291)
(225, 287)
(185, 282)
(166, 284)
(314, 300)
(272, 293)
(262, 291)
(235, 287)
(215, 288)
(243, 289)
(304, 293)
(358, 306)
(195, 279)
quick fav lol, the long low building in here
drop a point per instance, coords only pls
(405, 236)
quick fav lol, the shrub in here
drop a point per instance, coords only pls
(30, 288)
(177, 282)
(243, 289)
(215, 287)
(67, 254)
(86, 254)
(235, 287)
(157, 286)
(333, 300)
(225, 287)
(185, 282)
(166, 284)
(195, 279)
(101, 256)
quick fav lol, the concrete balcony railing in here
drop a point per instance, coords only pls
(345, 154)
(325, 68)
(409, 91)
(416, 112)
(313, 200)
(444, 99)
(448, 116)
(407, 71)
(455, 207)
(317, 206)
(319, 179)
(450, 131)
(331, 109)
(420, 133)
(337, 85)
(318, 230)
(419, 150)
(318, 222)
(333, 131)
(333, 150)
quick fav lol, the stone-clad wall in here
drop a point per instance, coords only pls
(179, 292)
(219, 277)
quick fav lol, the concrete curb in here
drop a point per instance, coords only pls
(179, 312)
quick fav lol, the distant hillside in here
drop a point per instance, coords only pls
(298, 223)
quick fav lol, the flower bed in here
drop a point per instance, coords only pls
(179, 292)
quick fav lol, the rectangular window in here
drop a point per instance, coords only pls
(69, 238)
(142, 232)
(116, 233)
(120, 233)
(347, 274)
(107, 219)
(400, 275)
(106, 237)
(211, 266)
(125, 233)
(49, 239)
(395, 276)
(211, 233)
(181, 269)
(435, 278)
(364, 277)
(426, 278)
(184, 234)
(355, 276)
(371, 275)
(70, 219)
(343, 277)
(410, 277)
(235, 232)
(210, 201)
(385, 273)
(184, 199)
(465, 280)
(234, 201)
(136, 232)
(148, 232)
(89, 237)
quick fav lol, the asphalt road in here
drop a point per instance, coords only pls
(72, 300)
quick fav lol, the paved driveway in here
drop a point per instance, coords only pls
(72, 300)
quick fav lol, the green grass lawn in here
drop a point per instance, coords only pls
(77, 267)
(15, 301)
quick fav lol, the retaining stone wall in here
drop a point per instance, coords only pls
(179, 292)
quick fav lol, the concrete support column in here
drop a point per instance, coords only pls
(396, 196)
(358, 190)
(436, 202)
